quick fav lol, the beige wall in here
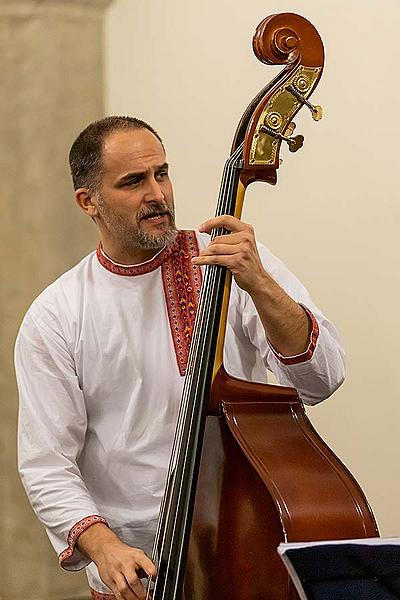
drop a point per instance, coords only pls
(188, 68)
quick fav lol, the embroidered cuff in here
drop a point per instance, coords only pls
(304, 356)
(100, 596)
(71, 558)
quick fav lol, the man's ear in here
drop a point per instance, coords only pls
(84, 198)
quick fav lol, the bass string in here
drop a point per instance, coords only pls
(222, 209)
(224, 206)
(184, 402)
(194, 347)
(207, 296)
(188, 416)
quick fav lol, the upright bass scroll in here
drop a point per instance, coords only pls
(290, 40)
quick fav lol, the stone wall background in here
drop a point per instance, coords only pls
(51, 67)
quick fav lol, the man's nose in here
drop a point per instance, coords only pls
(154, 191)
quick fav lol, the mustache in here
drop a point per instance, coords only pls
(156, 208)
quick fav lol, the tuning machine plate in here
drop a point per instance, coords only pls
(274, 123)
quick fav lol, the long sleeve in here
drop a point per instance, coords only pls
(52, 429)
(317, 372)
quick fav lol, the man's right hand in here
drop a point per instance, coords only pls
(118, 564)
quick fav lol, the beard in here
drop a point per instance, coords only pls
(131, 236)
(151, 241)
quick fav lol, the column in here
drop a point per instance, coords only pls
(51, 80)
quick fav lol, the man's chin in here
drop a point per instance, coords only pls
(156, 240)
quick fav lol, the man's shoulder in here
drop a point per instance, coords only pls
(65, 289)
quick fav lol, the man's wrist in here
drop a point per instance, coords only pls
(92, 540)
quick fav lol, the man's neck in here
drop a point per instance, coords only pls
(124, 256)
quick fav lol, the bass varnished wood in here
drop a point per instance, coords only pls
(266, 477)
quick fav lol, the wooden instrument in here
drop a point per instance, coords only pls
(248, 470)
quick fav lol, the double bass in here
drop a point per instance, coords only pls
(248, 470)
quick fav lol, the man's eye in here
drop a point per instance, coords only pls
(162, 175)
(131, 182)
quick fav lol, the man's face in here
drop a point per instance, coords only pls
(134, 200)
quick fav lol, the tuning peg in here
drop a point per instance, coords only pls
(294, 143)
(316, 111)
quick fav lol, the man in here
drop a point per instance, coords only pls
(102, 352)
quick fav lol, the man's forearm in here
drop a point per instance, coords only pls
(285, 322)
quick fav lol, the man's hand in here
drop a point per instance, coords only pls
(120, 566)
(236, 250)
(286, 324)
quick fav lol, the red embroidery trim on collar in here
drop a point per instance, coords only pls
(140, 269)
(182, 283)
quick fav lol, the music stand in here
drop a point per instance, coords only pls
(367, 569)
